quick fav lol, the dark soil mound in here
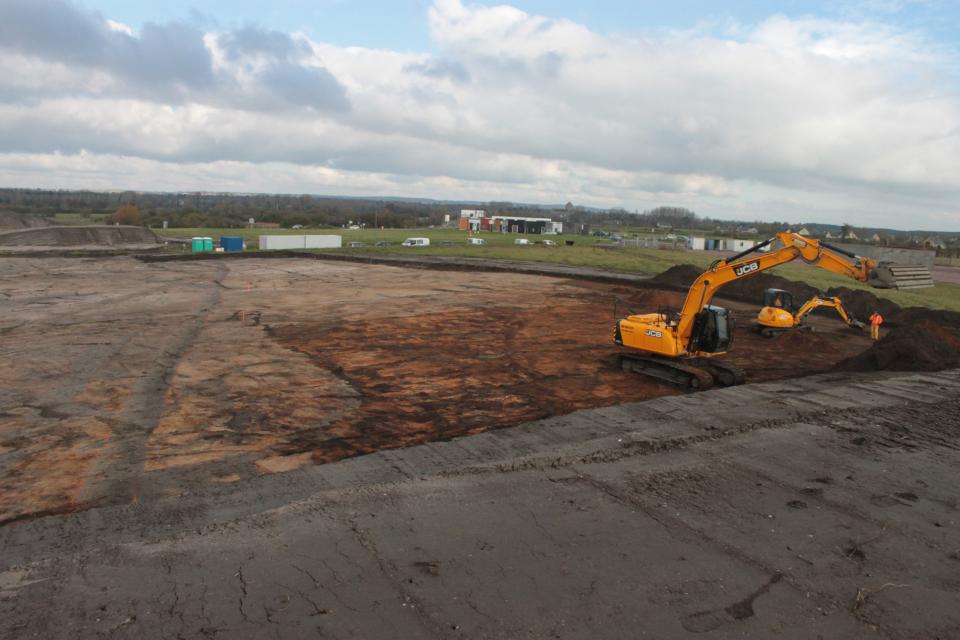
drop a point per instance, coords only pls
(78, 236)
(749, 289)
(861, 304)
(680, 276)
(921, 346)
(914, 315)
(11, 220)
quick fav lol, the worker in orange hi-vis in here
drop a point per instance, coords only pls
(875, 321)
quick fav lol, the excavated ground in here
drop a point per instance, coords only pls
(159, 402)
(133, 381)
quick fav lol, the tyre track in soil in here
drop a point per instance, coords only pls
(123, 472)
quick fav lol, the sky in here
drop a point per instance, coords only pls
(835, 112)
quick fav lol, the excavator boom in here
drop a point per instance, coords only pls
(702, 331)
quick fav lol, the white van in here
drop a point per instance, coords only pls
(521, 241)
(416, 242)
(476, 241)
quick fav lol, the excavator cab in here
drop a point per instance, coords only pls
(778, 298)
(712, 330)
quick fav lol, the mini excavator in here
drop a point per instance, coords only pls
(778, 313)
(681, 347)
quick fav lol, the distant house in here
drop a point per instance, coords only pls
(850, 236)
(829, 236)
(875, 237)
(804, 232)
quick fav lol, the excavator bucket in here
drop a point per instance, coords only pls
(890, 275)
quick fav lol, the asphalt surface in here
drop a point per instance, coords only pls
(819, 507)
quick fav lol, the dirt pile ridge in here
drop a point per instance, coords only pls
(13, 220)
(861, 304)
(921, 346)
(749, 290)
(102, 235)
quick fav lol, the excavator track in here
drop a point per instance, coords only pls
(724, 374)
(678, 373)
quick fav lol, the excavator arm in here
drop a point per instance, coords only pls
(792, 246)
(680, 348)
(834, 303)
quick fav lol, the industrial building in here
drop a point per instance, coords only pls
(477, 220)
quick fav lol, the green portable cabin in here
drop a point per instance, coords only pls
(196, 245)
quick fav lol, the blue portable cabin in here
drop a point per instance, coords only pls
(231, 243)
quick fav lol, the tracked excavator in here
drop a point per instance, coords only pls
(682, 347)
(778, 313)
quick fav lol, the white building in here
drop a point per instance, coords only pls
(737, 245)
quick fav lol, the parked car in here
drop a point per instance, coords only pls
(356, 244)
(416, 242)
(521, 241)
(382, 243)
(476, 241)
(549, 243)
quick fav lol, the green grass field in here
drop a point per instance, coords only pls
(582, 253)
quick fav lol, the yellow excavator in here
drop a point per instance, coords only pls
(778, 313)
(681, 347)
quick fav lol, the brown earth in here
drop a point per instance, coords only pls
(924, 345)
(138, 380)
(165, 401)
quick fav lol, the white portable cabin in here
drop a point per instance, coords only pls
(267, 243)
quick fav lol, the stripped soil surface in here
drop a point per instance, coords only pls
(136, 381)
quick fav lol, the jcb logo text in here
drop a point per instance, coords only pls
(747, 268)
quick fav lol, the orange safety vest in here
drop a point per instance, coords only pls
(876, 319)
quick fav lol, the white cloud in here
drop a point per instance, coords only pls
(119, 26)
(802, 118)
